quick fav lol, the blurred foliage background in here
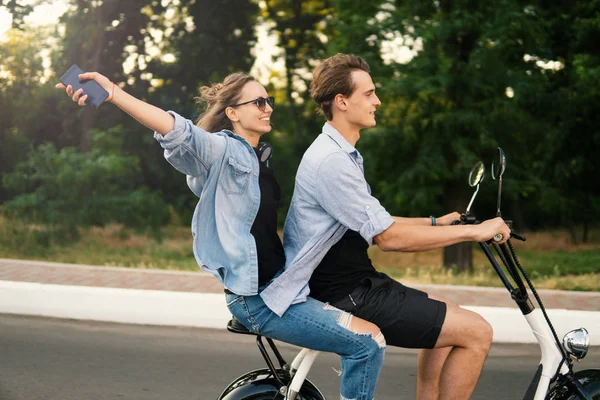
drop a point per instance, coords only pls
(457, 79)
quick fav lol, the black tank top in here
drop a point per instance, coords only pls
(342, 269)
(271, 257)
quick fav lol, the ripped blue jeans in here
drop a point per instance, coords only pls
(318, 326)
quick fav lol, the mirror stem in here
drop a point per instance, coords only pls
(472, 199)
(498, 213)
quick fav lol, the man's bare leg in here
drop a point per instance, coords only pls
(429, 370)
(471, 338)
(429, 365)
(451, 370)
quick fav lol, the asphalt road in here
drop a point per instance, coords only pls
(69, 360)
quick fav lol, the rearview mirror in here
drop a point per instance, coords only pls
(498, 167)
(498, 164)
(475, 177)
(477, 173)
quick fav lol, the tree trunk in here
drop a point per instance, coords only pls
(587, 210)
(459, 256)
(517, 210)
(572, 227)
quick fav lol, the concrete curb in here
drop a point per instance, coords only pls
(208, 310)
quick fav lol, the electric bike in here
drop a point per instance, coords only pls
(554, 378)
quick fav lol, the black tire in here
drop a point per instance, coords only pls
(261, 385)
(589, 379)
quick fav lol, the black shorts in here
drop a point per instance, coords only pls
(407, 317)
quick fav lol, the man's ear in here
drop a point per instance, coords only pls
(340, 102)
(231, 113)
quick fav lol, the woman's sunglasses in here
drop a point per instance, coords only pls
(261, 102)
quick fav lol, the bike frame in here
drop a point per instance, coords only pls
(299, 370)
(552, 355)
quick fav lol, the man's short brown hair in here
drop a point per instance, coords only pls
(333, 77)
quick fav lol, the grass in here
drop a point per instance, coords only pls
(112, 246)
(548, 257)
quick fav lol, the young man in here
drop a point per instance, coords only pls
(333, 218)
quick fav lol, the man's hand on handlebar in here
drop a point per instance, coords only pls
(448, 219)
(492, 229)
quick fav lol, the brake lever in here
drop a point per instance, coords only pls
(513, 234)
(517, 236)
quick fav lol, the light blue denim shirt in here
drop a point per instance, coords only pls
(331, 195)
(222, 170)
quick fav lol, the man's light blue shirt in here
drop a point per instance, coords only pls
(331, 195)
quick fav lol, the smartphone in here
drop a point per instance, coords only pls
(96, 93)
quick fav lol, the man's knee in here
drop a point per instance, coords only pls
(465, 328)
(482, 334)
(485, 333)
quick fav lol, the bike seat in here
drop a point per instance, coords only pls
(235, 326)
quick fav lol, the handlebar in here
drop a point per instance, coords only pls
(505, 253)
(470, 219)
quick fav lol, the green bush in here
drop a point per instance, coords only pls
(66, 189)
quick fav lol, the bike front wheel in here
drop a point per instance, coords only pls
(589, 380)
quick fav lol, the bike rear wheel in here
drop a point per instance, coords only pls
(262, 385)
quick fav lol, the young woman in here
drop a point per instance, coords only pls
(234, 225)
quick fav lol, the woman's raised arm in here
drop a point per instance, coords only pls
(148, 115)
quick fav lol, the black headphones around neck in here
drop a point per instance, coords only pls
(264, 152)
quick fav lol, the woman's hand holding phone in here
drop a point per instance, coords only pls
(94, 89)
(100, 79)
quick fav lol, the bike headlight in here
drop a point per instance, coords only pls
(576, 343)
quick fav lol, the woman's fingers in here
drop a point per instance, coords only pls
(82, 100)
(59, 86)
(87, 76)
(76, 95)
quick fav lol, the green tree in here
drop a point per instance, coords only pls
(202, 42)
(161, 52)
(22, 72)
(566, 66)
(447, 106)
(97, 36)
